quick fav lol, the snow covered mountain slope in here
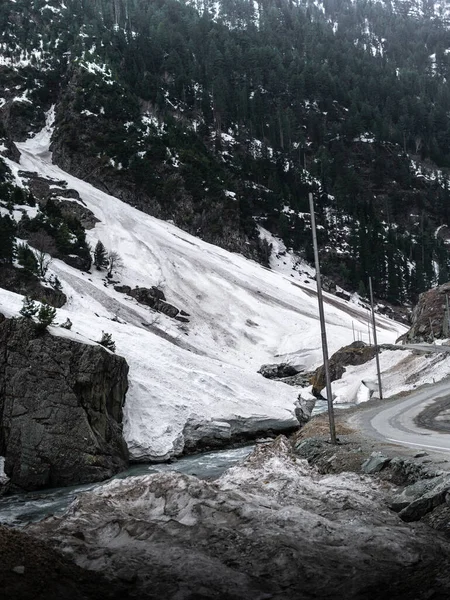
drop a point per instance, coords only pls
(199, 376)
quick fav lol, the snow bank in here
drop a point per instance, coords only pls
(401, 371)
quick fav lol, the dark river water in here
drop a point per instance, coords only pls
(21, 509)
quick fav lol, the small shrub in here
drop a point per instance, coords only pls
(107, 341)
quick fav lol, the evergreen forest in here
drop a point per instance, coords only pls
(223, 116)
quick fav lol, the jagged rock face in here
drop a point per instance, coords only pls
(60, 408)
(356, 353)
(429, 317)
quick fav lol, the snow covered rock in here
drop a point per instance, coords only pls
(61, 408)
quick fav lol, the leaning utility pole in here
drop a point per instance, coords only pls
(322, 324)
(375, 343)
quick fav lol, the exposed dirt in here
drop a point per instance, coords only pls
(31, 570)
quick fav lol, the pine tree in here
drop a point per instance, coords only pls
(26, 258)
(45, 316)
(7, 241)
(29, 308)
(100, 256)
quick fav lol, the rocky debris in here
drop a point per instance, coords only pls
(428, 319)
(422, 497)
(155, 299)
(356, 353)
(271, 527)
(375, 463)
(61, 408)
(25, 283)
(276, 371)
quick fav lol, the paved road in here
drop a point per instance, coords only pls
(393, 421)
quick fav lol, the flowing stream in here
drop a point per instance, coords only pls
(20, 509)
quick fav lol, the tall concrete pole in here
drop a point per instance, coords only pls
(322, 324)
(375, 343)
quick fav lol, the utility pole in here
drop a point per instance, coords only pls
(375, 343)
(322, 324)
(447, 319)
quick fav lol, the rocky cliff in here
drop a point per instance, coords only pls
(60, 408)
(429, 319)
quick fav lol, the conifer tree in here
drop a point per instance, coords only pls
(26, 258)
(7, 241)
(100, 256)
(46, 316)
(29, 308)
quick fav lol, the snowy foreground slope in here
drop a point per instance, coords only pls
(205, 371)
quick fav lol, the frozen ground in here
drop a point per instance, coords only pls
(241, 316)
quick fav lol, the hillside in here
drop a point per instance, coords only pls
(193, 379)
(222, 116)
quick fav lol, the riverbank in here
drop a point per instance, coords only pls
(273, 527)
(277, 526)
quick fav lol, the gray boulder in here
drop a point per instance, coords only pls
(356, 353)
(422, 497)
(60, 408)
(375, 463)
(276, 371)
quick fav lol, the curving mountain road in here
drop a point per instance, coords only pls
(394, 421)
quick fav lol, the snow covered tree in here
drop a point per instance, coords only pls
(29, 308)
(100, 256)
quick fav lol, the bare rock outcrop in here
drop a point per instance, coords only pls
(356, 353)
(60, 408)
(428, 318)
(155, 298)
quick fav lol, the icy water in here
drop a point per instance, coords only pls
(21, 509)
